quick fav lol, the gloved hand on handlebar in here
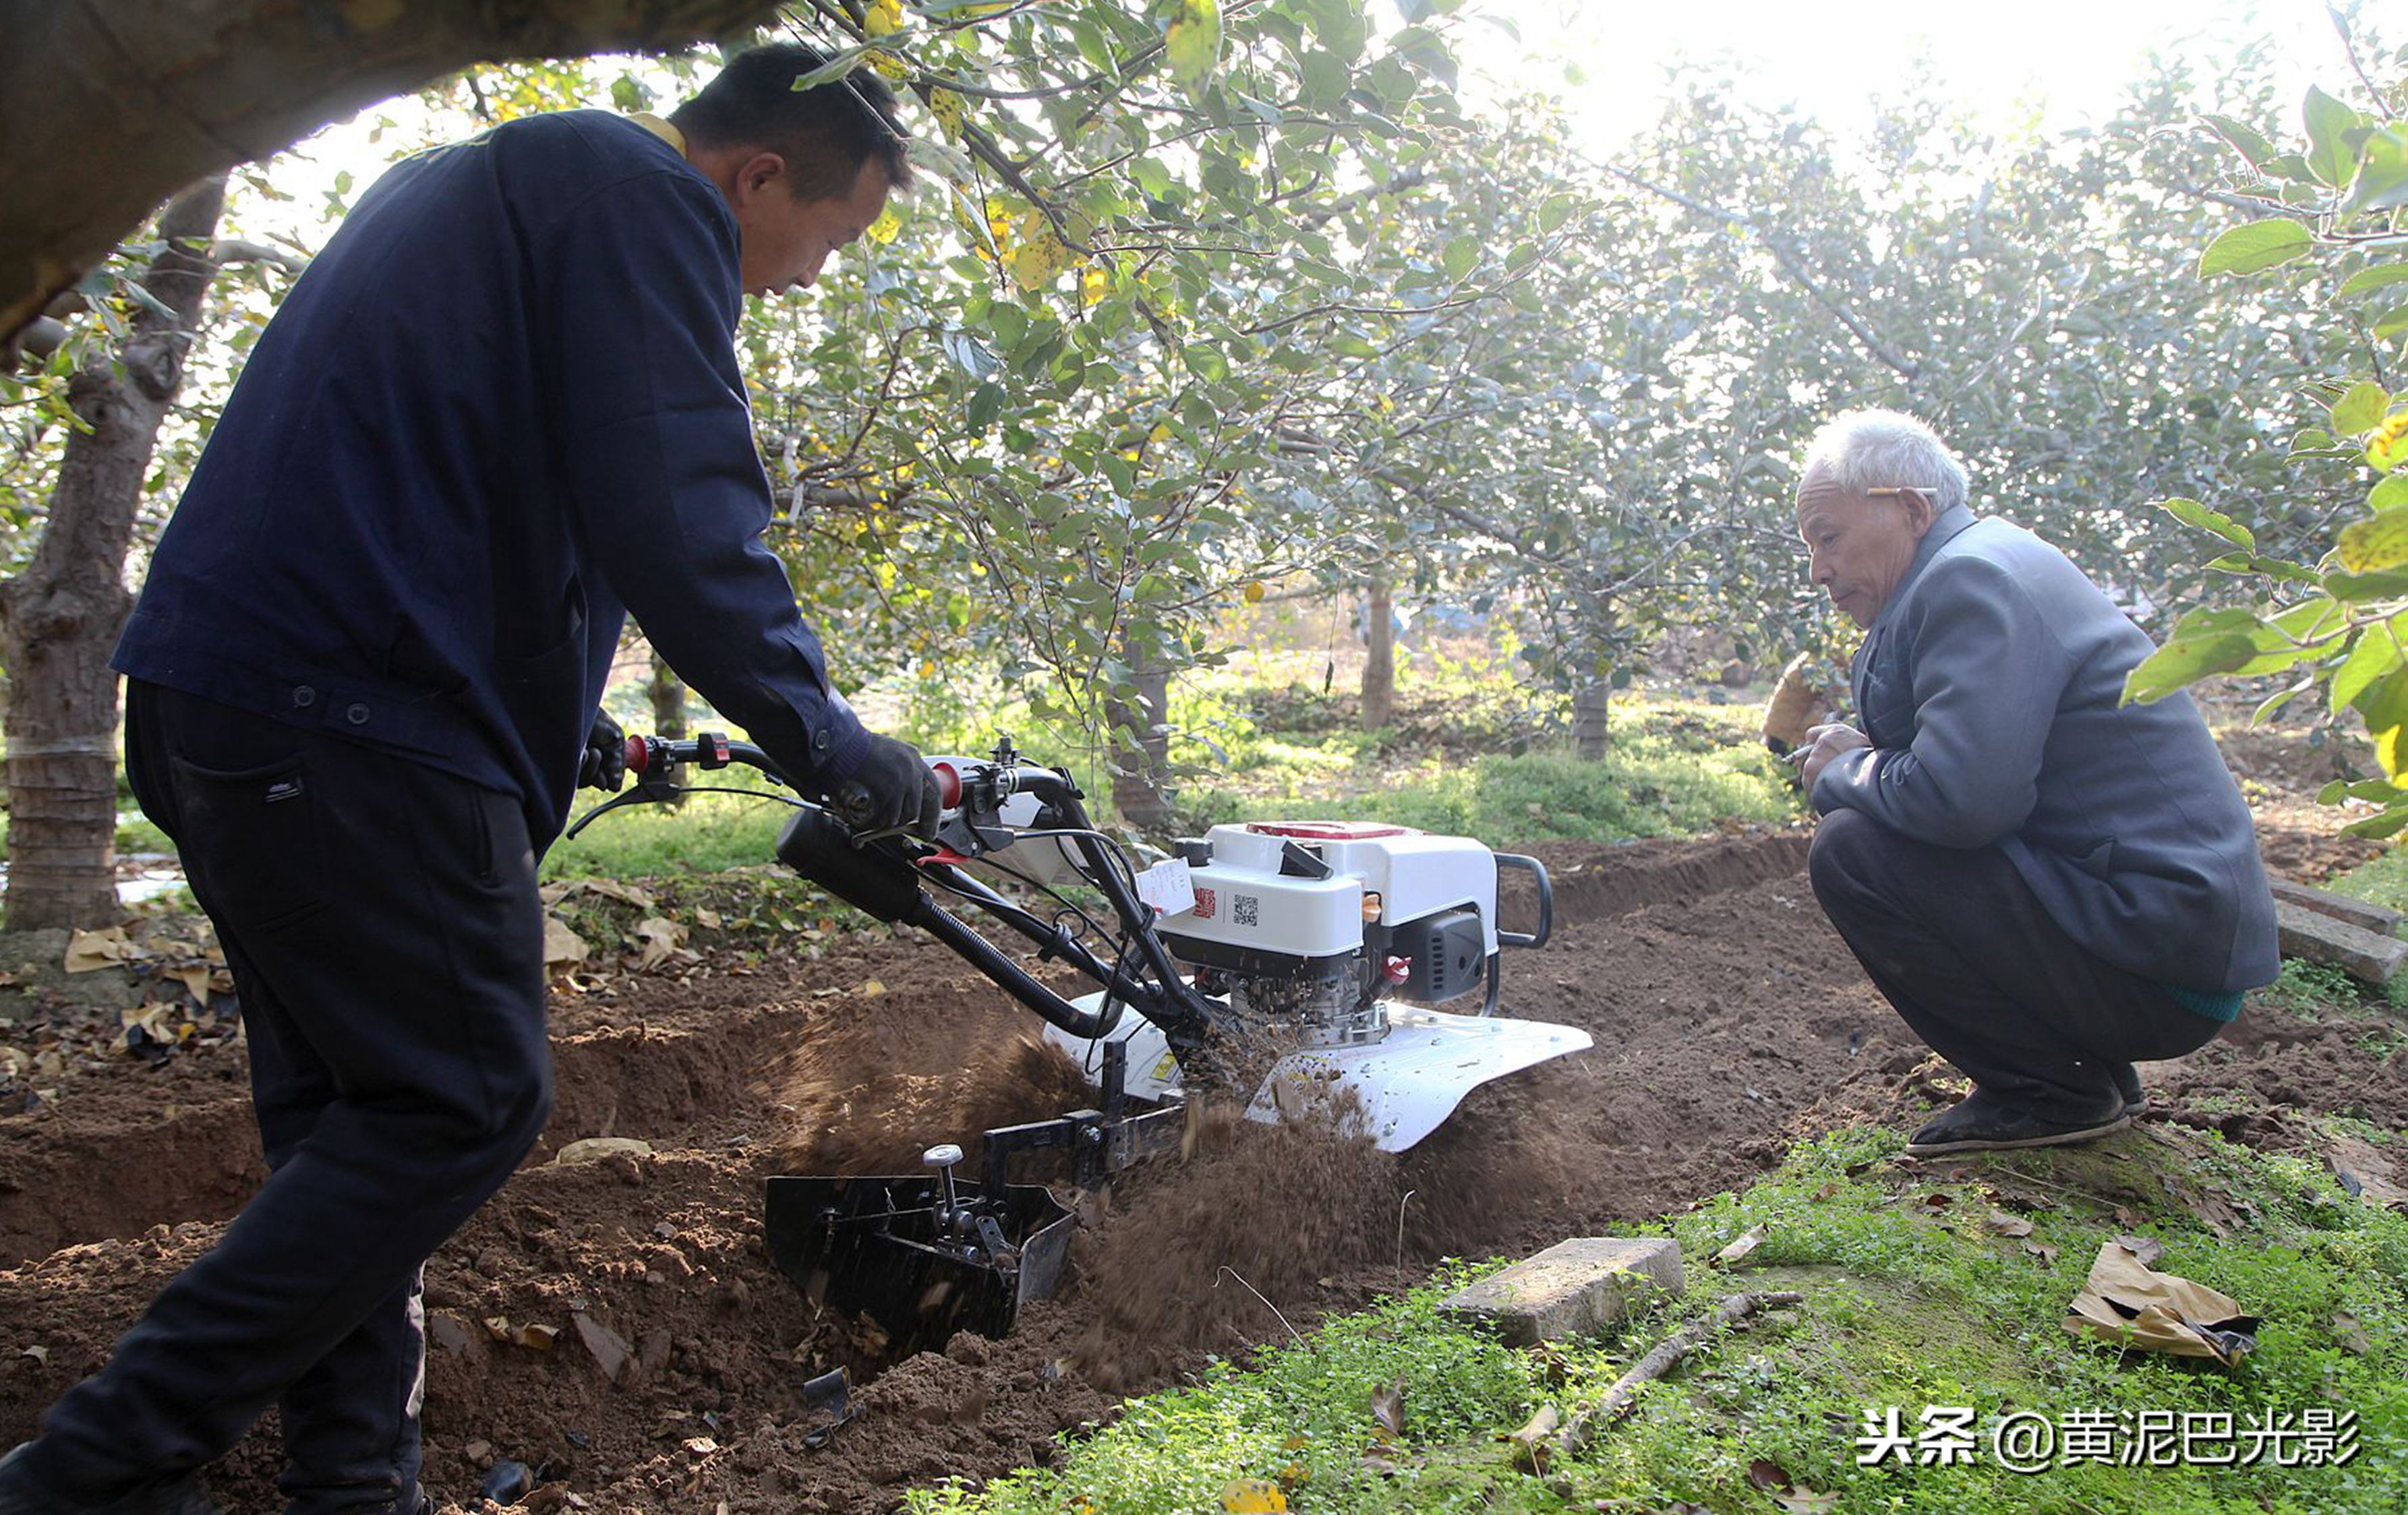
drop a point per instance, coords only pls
(893, 790)
(604, 762)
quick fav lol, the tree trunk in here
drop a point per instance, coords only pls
(1141, 752)
(108, 109)
(667, 693)
(1590, 738)
(59, 619)
(1379, 651)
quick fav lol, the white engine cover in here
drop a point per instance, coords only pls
(1243, 900)
(1395, 1091)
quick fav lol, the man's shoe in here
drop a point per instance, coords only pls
(1978, 1124)
(2128, 1083)
(20, 1496)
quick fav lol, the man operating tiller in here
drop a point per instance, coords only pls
(499, 412)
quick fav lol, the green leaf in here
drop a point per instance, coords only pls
(2361, 408)
(2245, 139)
(2376, 653)
(2374, 279)
(2259, 245)
(2329, 122)
(2389, 493)
(2377, 827)
(2356, 589)
(1462, 255)
(2382, 181)
(2392, 322)
(1193, 44)
(986, 404)
(2192, 513)
(2185, 660)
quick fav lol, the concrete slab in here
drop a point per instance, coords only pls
(2355, 912)
(1575, 1288)
(2321, 938)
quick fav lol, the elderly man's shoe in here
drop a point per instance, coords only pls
(2128, 1083)
(1978, 1123)
(20, 1496)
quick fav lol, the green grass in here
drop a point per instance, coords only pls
(1909, 1303)
(1473, 752)
(708, 834)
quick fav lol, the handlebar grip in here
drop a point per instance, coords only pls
(640, 754)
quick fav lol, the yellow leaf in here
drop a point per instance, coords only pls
(1254, 592)
(1037, 259)
(886, 65)
(1252, 1496)
(882, 17)
(1193, 44)
(885, 228)
(951, 110)
(1094, 285)
(872, 989)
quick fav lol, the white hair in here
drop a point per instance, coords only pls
(1868, 449)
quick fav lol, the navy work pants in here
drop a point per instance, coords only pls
(381, 923)
(1960, 945)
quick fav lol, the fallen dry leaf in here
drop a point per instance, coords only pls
(562, 946)
(2351, 1334)
(1742, 1244)
(2009, 1225)
(89, 951)
(658, 939)
(1388, 1407)
(2147, 1248)
(2042, 1251)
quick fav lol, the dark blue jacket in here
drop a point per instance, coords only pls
(499, 412)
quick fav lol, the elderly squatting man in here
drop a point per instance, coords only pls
(2046, 883)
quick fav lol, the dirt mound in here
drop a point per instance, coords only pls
(1210, 1255)
(871, 1086)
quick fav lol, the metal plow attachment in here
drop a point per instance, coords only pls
(1395, 1091)
(922, 1256)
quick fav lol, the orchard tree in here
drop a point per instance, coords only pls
(1037, 435)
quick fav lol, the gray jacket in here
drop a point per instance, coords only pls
(1989, 687)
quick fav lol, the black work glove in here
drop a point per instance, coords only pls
(893, 790)
(604, 762)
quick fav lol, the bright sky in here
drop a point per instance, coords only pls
(1830, 58)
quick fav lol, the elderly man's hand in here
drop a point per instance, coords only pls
(1824, 743)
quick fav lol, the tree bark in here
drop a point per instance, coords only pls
(59, 619)
(108, 107)
(1591, 738)
(667, 692)
(1141, 755)
(1379, 651)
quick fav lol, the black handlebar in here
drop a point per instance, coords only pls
(883, 876)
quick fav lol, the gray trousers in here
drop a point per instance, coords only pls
(1960, 947)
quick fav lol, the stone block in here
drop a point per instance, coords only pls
(2321, 938)
(1575, 1288)
(2355, 912)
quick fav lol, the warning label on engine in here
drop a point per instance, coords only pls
(1169, 886)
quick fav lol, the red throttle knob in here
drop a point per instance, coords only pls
(639, 753)
(949, 784)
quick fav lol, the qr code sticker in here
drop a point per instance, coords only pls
(1245, 909)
